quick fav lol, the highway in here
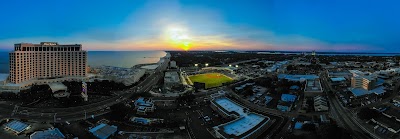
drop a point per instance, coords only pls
(80, 112)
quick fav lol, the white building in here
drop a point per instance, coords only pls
(172, 64)
(46, 62)
(171, 79)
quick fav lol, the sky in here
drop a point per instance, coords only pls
(268, 25)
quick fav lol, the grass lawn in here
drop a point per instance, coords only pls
(211, 79)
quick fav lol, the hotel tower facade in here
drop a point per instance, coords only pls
(46, 62)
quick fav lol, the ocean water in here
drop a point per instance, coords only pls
(109, 58)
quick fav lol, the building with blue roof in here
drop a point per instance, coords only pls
(288, 98)
(103, 131)
(298, 125)
(268, 99)
(284, 106)
(17, 126)
(47, 134)
(338, 79)
(294, 87)
(357, 92)
(246, 124)
(143, 106)
(298, 78)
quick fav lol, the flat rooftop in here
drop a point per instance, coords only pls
(240, 126)
(172, 77)
(48, 134)
(247, 124)
(230, 106)
(298, 77)
(103, 131)
(338, 79)
(313, 86)
(361, 91)
(56, 86)
(17, 126)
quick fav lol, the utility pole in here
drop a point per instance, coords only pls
(85, 114)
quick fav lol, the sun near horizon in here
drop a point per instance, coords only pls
(179, 37)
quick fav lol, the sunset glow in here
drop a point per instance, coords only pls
(206, 25)
(179, 37)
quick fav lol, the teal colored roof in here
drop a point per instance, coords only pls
(288, 98)
(48, 134)
(17, 126)
(298, 125)
(103, 131)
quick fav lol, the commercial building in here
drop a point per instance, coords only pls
(59, 90)
(47, 134)
(313, 88)
(143, 106)
(17, 126)
(171, 79)
(245, 124)
(46, 62)
(103, 131)
(320, 104)
(286, 102)
(298, 78)
(363, 83)
(172, 64)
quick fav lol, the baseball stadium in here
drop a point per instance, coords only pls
(211, 77)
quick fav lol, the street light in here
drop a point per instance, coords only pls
(196, 65)
(237, 66)
(230, 65)
(206, 64)
(55, 119)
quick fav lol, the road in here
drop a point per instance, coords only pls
(9, 110)
(342, 115)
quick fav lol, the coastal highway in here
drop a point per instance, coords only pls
(10, 110)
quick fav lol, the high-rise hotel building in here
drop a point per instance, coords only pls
(47, 61)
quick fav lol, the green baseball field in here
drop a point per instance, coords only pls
(211, 79)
